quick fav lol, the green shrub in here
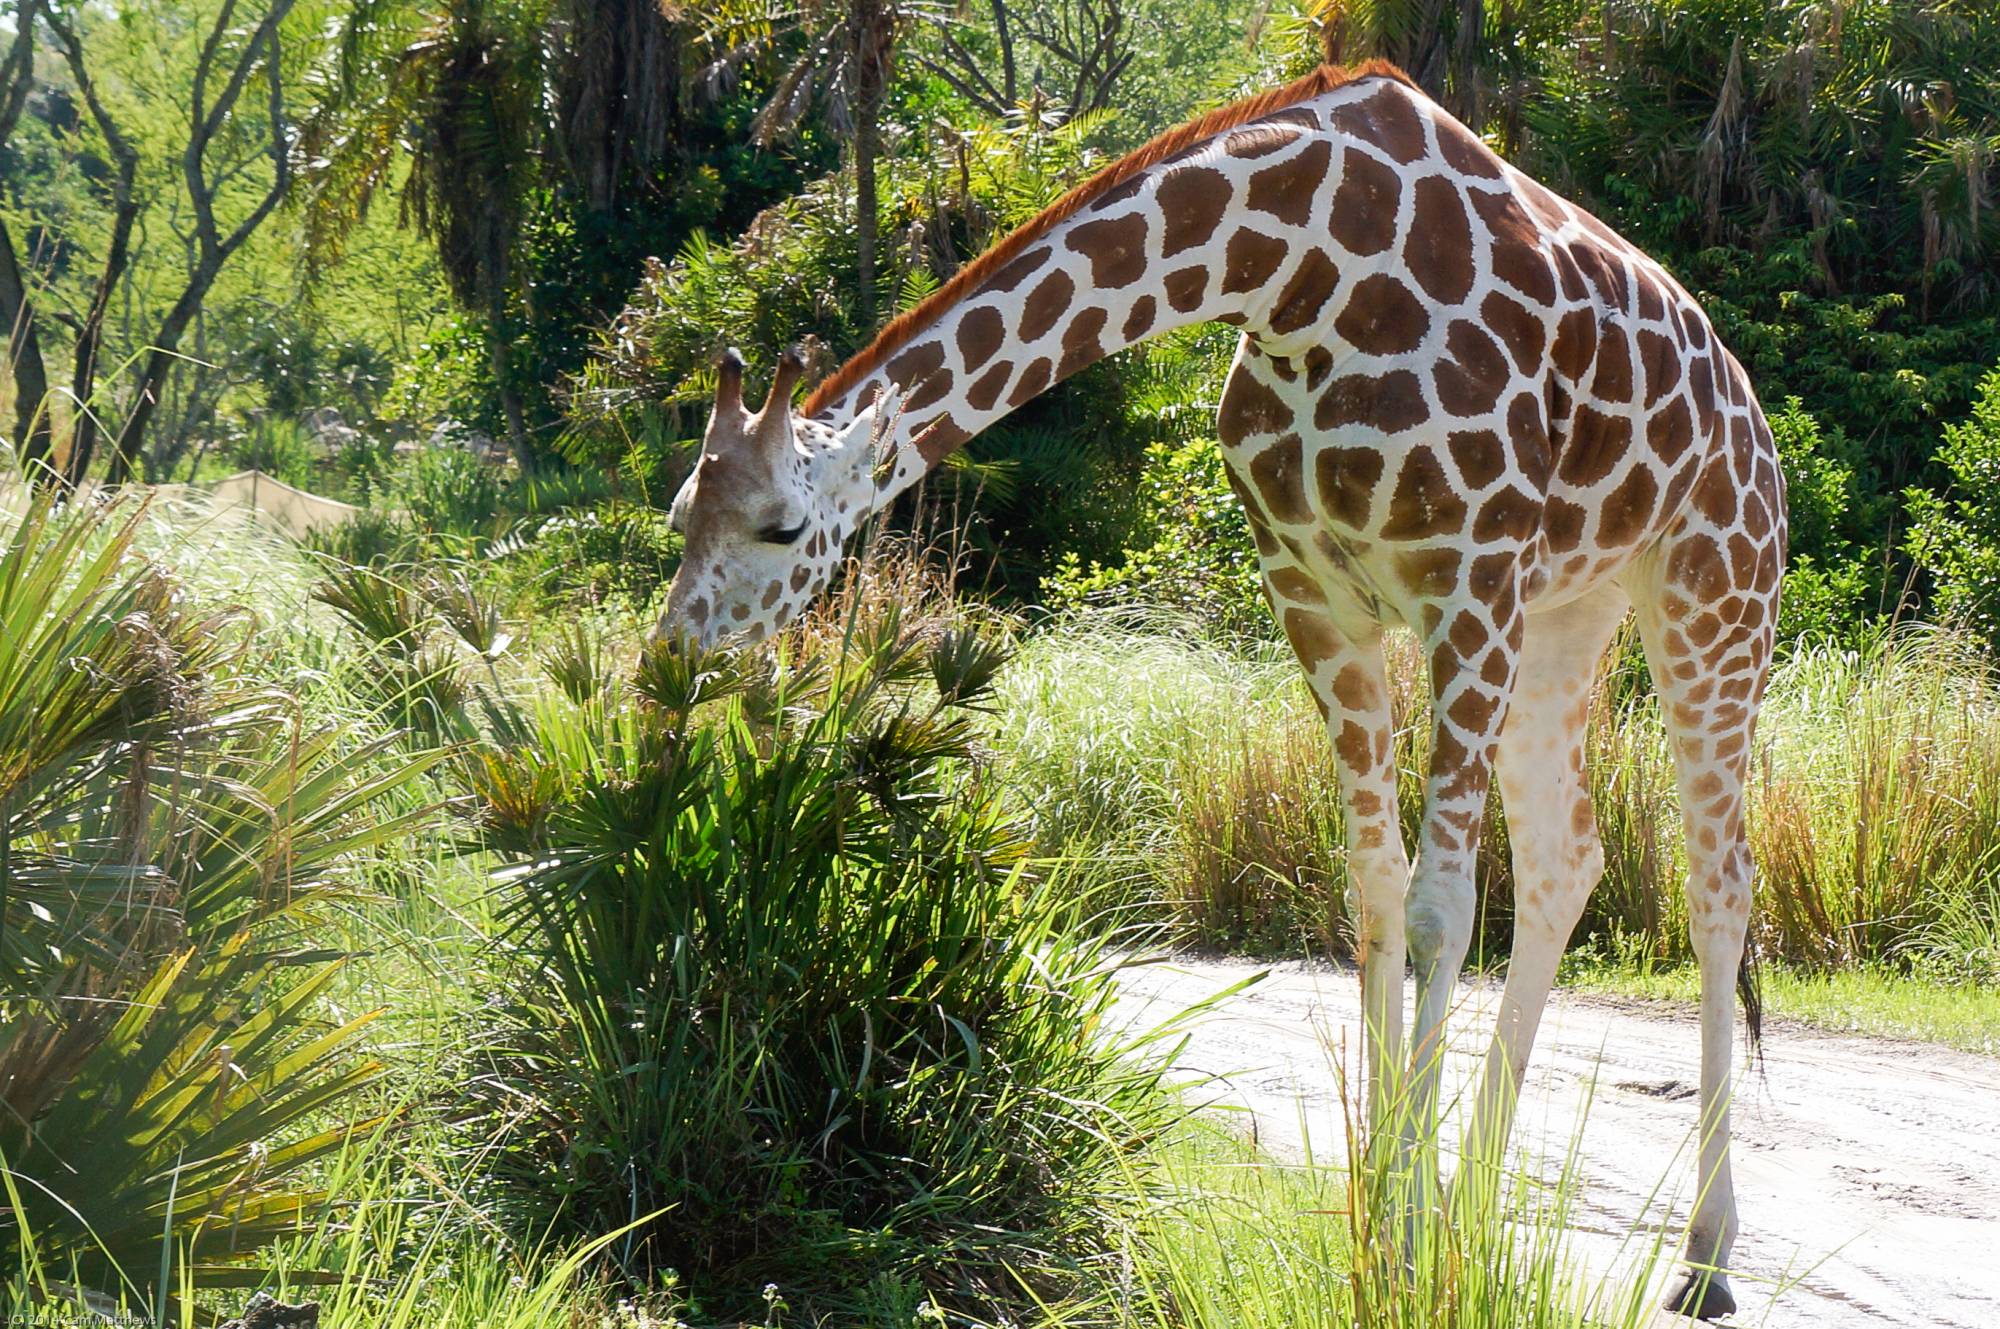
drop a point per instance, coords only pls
(451, 493)
(1956, 537)
(788, 992)
(172, 846)
(280, 448)
(618, 550)
(1832, 580)
(1200, 561)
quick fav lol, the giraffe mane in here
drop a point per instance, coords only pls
(904, 327)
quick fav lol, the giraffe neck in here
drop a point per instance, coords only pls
(1231, 230)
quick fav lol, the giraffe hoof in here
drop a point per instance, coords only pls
(1700, 1295)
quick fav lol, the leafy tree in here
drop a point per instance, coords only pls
(448, 102)
(1956, 535)
(219, 167)
(544, 148)
(842, 60)
(1871, 130)
(1079, 51)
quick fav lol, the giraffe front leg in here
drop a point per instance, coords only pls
(1350, 684)
(1552, 831)
(1474, 641)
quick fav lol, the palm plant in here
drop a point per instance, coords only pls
(786, 990)
(165, 1069)
(1869, 129)
(452, 96)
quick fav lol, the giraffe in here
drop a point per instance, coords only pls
(1459, 404)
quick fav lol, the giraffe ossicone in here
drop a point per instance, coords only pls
(1461, 404)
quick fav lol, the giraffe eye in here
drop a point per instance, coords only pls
(781, 535)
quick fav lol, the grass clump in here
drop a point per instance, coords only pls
(784, 988)
(1241, 1239)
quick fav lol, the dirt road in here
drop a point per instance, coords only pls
(1867, 1171)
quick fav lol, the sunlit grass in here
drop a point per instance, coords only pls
(1203, 775)
(1238, 1238)
(1868, 1001)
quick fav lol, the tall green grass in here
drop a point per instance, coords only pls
(1239, 1239)
(1201, 778)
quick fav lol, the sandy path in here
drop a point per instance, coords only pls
(1867, 1171)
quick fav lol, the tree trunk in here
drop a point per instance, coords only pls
(873, 34)
(32, 432)
(90, 336)
(867, 142)
(1003, 32)
(502, 364)
(153, 380)
(1465, 89)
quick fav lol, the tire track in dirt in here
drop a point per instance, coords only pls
(1867, 1170)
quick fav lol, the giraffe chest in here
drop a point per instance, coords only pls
(1343, 506)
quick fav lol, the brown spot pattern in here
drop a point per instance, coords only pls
(979, 335)
(1519, 331)
(1116, 248)
(1424, 504)
(1139, 320)
(1594, 447)
(1033, 380)
(1462, 152)
(1478, 456)
(1045, 306)
(1080, 341)
(1250, 259)
(1438, 252)
(1389, 120)
(982, 394)
(1185, 288)
(1306, 293)
(1346, 478)
(1250, 408)
(1192, 199)
(1279, 474)
(1382, 317)
(1391, 402)
(1363, 219)
(1471, 381)
(1286, 190)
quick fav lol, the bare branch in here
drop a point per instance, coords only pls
(208, 120)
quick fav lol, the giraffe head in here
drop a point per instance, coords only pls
(765, 511)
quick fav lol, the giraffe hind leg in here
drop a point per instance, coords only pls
(1707, 615)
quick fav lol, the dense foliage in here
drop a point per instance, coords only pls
(784, 991)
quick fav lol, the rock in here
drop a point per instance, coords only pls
(267, 1312)
(328, 429)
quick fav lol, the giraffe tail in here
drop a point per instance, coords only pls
(1750, 992)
